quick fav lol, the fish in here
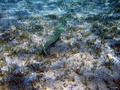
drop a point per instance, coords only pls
(52, 40)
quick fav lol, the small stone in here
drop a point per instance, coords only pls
(110, 57)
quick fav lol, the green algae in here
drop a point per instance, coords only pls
(2, 61)
(105, 30)
(2, 43)
(94, 47)
(52, 17)
(23, 36)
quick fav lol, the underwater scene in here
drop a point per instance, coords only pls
(59, 44)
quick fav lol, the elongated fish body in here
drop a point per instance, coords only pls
(53, 39)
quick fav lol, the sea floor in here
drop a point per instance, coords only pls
(85, 56)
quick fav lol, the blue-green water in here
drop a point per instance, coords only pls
(89, 26)
(20, 12)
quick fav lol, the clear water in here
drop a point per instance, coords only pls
(99, 20)
(20, 12)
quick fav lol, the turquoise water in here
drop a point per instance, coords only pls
(20, 12)
(63, 28)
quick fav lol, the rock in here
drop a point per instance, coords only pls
(4, 87)
(110, 57)
(8, 36)
(116, 46)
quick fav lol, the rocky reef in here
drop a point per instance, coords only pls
(59, 45)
